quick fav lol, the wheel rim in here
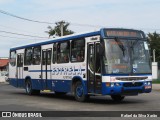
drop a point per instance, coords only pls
(28, 88)
(79, 90)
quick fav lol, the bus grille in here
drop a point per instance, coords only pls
(131, 92)
(130, 78)
(136, 84)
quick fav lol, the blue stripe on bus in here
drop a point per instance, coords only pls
(51, 70)
(43, 84)
(65, 86)
(39, 71)
(126, 75)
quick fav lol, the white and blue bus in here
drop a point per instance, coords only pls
(110, 61)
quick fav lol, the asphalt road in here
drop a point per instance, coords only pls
(15, 99)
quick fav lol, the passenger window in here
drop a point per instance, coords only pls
(28, 56)
(36, 56)
(77, 50)
(20, 60)
(49, 56)
(54, 53)
(12, 58)
(63, 50)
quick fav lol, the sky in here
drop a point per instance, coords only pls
(90, 14)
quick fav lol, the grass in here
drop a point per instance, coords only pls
(156, 81)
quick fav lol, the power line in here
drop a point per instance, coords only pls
(15, 28)
(22, 34)
(18, 37)
(10, 14)
(75, 24)
(13, 15)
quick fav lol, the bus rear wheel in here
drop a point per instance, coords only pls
(29, 90)
(79, 92)
(117, 98)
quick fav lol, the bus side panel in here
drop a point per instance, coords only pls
(21, 83)
(60, 85)
(12, 76)
(50, 84)
(36, 84)
(13, 82)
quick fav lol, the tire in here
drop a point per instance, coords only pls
(117, 98)
(29, 90)
(79, 92)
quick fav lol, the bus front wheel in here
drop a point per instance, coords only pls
(117, 98)
(79, 92)
(29, 90)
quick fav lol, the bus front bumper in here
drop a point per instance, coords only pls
(126, 89)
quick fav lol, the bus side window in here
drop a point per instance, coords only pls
(19, 60)
(77, 50)
(36, 56)
(98, 64)
(28, 56)
(58, 53)
(63, 50)
(54, 53)
(12, 58)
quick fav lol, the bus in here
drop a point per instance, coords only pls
(109, 61)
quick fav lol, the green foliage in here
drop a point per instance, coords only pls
(57, 29)
(154, 41)
(156, 81)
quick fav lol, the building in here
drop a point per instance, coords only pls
(4, 69)
(4, 64)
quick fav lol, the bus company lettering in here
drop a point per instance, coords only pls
(71, 70)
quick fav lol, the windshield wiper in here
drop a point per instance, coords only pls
(120, 44)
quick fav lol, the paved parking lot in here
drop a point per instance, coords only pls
(15, 99)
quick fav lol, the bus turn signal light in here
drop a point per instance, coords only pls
(107, 84)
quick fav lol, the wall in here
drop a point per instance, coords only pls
(3, 76)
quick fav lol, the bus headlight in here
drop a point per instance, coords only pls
(149, 83)
(117, 84)
(145, 83)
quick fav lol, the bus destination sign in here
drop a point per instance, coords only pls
(123, 33)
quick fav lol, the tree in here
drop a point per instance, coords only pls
(60, 26)
(154, 41)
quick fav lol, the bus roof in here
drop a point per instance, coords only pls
(70, 37)
(64, 38)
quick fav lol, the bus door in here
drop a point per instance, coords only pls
(20, 70)
(94, 80)
(46, 66)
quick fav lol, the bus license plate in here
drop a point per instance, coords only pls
(147, 87)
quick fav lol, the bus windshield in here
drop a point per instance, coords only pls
(124, 56)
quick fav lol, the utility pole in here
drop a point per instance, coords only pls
(154, 67)
(154, 58)
(61, 27)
